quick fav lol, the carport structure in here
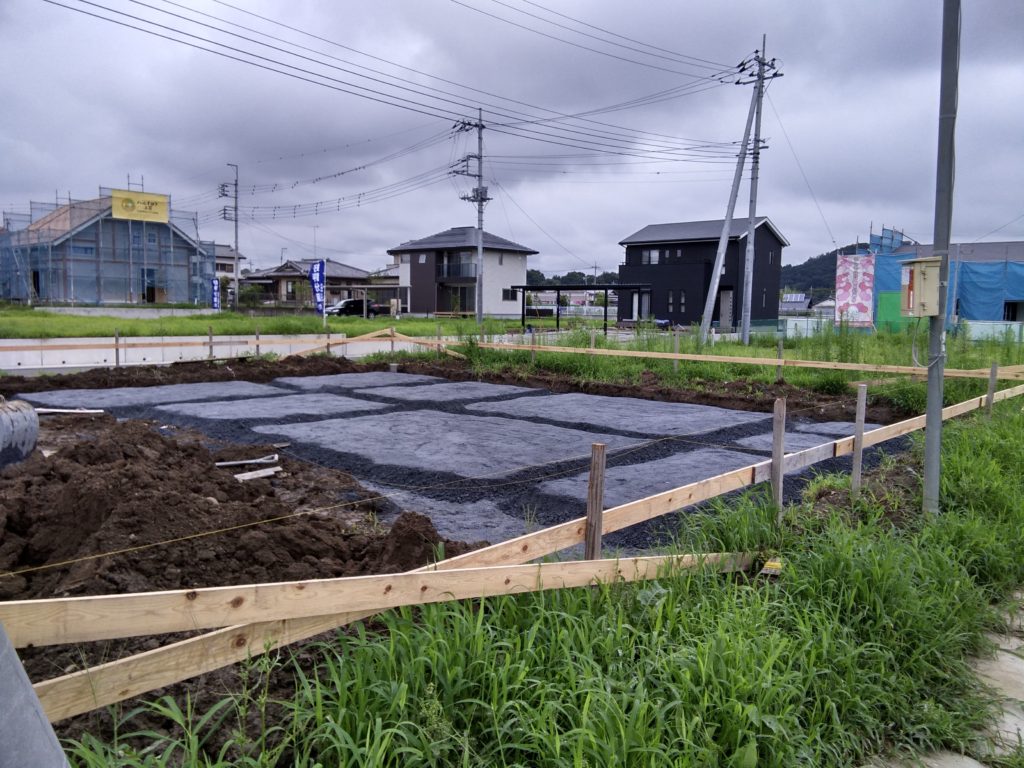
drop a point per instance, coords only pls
(606, 287)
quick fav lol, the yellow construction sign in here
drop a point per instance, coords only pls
(139, 206)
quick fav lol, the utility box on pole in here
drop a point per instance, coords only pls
(919, 287)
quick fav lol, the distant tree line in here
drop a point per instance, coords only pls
(816, 277)
(537, 278)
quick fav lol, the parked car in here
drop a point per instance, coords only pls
(354, 307)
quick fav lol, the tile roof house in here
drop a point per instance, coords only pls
(441, 272)
(288, 283)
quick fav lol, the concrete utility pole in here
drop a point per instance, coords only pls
(235, 217)
(478, 196)
(945, 167)
(723, 240)
(748, 262)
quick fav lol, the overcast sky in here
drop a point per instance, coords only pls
(88, 102)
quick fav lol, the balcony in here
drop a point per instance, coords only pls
(456, 271)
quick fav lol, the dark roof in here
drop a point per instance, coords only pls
(461, 237)
(1012, 250)
(697, 230)
(333, 269)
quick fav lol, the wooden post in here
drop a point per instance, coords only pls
(593, 338)
(990, 398)
(392, 340)
(595, 503)
(533, 345)
(439, 353)
(328, 342)
(858, 440)
(779, 377)
(778, 451)
(117, 348)
(675, 349)
(257, 342)
(209, 329)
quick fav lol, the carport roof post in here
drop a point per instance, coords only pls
(558, 288)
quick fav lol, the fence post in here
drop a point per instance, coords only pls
(533, 345)
(778, 452)
(990, 398)
(257, 342)
(392, 340)
(593, 338)
(117, 348)
(675, 349)
(595, 503)
(779, 377)
(209, 329)
(439, 340)
(858, 440)
(328, 342)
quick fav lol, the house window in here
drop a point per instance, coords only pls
(771, 256)
(423, 258)
(509, 294)
(682, 301)
(671, 296)
(83, 250)
(151, 238)
(289, 290)
(649, 256)
(764, 298)
(403, 258)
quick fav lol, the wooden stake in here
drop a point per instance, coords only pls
(858, 440)
(257, 342)
(778, 451)
(675, 350)
(595, 503)
(209, 329)
(533, 347)
(117, 348)
(779, 377)
(990, 399)
(593, 338)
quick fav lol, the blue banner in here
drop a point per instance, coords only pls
(316, 278)
(215, 292)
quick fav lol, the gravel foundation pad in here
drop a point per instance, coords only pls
(623, 413)
(636, 481)
(454, 390)
(167, 393)
(468, 446)
(793, 441)
(355, 380)
(312, 405)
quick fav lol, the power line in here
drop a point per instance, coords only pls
(671, 57)
(580, 45)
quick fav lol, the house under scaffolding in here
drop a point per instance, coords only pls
(108, 250)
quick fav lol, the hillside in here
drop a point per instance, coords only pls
(816, 276)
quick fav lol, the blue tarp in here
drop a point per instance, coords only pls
(983, 288)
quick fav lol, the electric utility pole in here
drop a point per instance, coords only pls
(755, 158)
(234, 216)
(723, 240)
(478, 196)
(945, 167)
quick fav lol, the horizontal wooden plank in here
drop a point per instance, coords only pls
(105, 617)
(765, 361)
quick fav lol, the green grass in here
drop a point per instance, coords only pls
(24, 323)
(860, 646)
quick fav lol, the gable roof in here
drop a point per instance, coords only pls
(300, 267)
(461, 237)
(698, 230)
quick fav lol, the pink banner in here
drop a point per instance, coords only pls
(855, 290)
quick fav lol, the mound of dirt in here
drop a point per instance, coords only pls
(122, 508)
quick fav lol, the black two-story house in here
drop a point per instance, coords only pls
(677, 260)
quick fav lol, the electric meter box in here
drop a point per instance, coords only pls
(919, 288)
